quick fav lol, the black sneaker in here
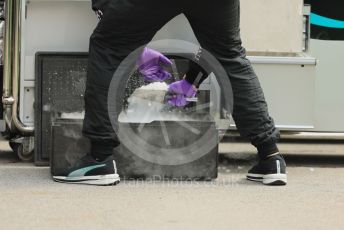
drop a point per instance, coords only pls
(92, 172)
(270, 171)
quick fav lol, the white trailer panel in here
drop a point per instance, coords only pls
(65, 26)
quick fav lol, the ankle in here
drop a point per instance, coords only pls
(267, 149)
(101, 150)
(274, 154)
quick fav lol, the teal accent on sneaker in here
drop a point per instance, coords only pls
(81, 172)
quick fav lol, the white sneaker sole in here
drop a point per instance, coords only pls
(268, 179)
(110, 179)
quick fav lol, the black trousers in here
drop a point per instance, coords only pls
(129, 24)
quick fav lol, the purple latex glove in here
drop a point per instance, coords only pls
(178, 101)
(150, 65)
(181, 90)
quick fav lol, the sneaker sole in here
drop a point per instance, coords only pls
(104, 180)
(268, 179)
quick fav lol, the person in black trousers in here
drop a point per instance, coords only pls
(126, 25)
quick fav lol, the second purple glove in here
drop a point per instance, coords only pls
(150, 65)
(180, 91)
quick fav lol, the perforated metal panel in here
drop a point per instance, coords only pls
(60, 86)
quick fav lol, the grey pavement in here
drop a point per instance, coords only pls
(313, 198)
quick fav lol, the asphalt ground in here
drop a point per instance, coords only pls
(313, 198)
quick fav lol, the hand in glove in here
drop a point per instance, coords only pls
(181, 91)
(150, 65)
